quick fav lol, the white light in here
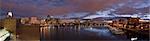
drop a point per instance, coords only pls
(52, 16)
(132, 39)
(10, 14)
(144, 20)
(109, 21)
(91, 28)
(134, 16)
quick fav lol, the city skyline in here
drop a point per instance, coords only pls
(67, 20)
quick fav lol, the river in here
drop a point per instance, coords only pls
(79, 33)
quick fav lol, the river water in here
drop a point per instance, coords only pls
(79, 33)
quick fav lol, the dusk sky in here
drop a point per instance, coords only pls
(63, 7)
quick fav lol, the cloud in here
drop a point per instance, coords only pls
(62, 7)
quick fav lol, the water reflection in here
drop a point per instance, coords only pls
(101, 32)
(78, 33)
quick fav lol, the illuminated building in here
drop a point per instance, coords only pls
(67, 21)
(24, 20)
(132, 23)
(42, 21)
(144, 24)
(34, 20)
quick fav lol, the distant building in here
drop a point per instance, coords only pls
(42, 21)
(34, 20)
(25, 20)
(133, 21)
(67, 21)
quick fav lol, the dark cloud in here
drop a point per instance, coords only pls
(61, 7)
